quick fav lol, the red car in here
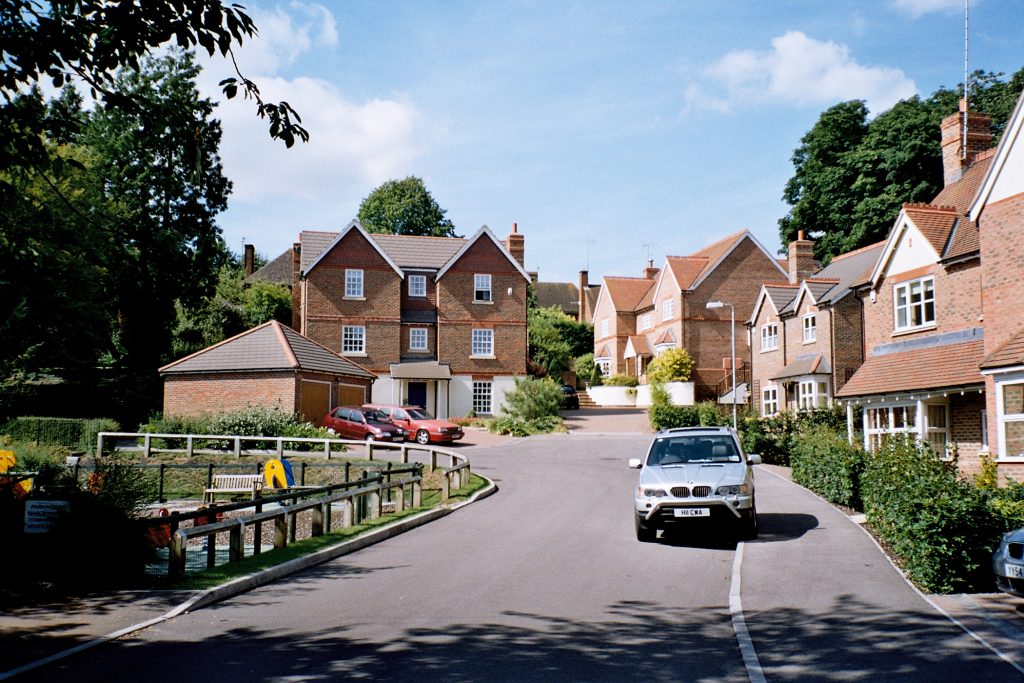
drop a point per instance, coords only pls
(419, 425)
(352, 422)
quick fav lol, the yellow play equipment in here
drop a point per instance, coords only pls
(277, 474)
(22, 484)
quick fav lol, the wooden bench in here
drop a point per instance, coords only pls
(234, 484)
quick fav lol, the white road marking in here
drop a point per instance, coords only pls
(739, 624)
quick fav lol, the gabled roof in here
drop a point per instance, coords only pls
(961, 193)
(717, 252)
(1009, 354)
(563, 295)
(278, 271)
(414, 251)
(813, 287)
(934, 221)
(354, 225)
(778, 295)
(850, 269)
(483, 232)
(603, 352)
(636, 345)
(626, 293)
(268, 347)
(666, 337)
(803, 365)
(903, 222)
(686, 269)
(1011, 136)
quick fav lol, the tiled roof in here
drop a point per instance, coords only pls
(640, 346)
(408, 251)
(961, 193)
(627, 292)
(964, 239)
(313, 243)
(817, 287)
(934, 221)
(917, 370)
(807, 364)
(850, 269)
(1009, 354)
(603, 352)
(269, 347)
(781, 295)
(687, 269)
(278, 271)
(564, 295)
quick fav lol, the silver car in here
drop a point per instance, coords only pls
(1008, 564)
(695, 473)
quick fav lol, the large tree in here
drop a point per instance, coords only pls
(851, 176)
(404, 207)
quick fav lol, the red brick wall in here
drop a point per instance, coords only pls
(1002, 251)
(767, 364)
(847, 335)
(965, 429)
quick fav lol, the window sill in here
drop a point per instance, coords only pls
(811, 341)
(353, 298)
(769, 350)
(482, 357)
(358, 354)
(412, 350)
(912, 330)
(486, 303)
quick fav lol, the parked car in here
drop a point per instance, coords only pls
(353, 422)
(1008, 563)
(692, 474)
(419, 425)
(570, 399)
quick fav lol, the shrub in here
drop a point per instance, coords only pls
(533, 398)
(705, 414)
(620, 381)
(942, 528)
(826, 462)
(587, 370)
(517, 427)
(671, 365)
(772, 437)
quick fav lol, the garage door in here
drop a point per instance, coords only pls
(350, 395)
(316, 401)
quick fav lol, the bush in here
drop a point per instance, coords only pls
(671, 365)
(620, 381)
(705, 414)
(772, 437)
(942, 528)
(587, 370)
(826, 462)
(517, 427)
(72, 433)
(533, 398)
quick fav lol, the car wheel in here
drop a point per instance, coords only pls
(422, 437)
(644, 533)
(370, 437)
(748, 525)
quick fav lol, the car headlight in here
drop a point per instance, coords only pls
(735, 489)
(642, 492)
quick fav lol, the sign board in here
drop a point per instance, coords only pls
(41, 515)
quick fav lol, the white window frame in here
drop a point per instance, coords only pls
(984, 431)
(931, 430)
(667, 309)
(769, 337)
(873, 434)
(482, 293)
(483, 397)
(662, 348)
(810, 326)
(924, 288)
(645, 322)
(770, 401)
(604, 366)
(482, 343)
(353, 340)
(353, 283)
(418, 339)
(1003, 418)
(604, 328)
(417, 286)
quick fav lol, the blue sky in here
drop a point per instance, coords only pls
(609, 131)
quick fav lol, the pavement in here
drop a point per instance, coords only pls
(42, 632)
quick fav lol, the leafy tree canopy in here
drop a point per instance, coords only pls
(555, 339)
(852, 175)
(404, 207)
(671, 365)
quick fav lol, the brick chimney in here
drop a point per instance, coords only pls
(584, 314)
(650, 272)
(979, 139)
(801, 259)
(297, 287)
(516, 245)
(249, 259)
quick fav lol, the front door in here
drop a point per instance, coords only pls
(417, 394)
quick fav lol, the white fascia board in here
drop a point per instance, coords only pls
(1011, 134)
(483, 231)
(357, 226)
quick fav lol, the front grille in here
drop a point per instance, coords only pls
(681, 491)
(1015, 550)
(701, 491)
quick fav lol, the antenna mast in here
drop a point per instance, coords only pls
(967, 89)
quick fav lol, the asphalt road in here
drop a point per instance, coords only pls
(545, 581)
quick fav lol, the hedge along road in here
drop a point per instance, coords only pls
(545, 581)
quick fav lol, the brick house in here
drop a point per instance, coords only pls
(806, 332)
(441, 320)
(998, 211)
(924, 333)
(272, 366)
(637, 318)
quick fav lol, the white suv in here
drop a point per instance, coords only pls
(695, 473)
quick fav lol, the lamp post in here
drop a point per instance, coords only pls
(732, 348)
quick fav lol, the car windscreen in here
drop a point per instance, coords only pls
(374, 416)
(417, 414)
(674, 450)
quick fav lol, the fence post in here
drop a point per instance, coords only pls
(188, 446)
(369, 449)
(446, 488)
(257, 531)
(280, 447)
(302, 474)
(292, 521)
(374, 506)
(99, 445)
(160, 492)
(417, 494)
(236, 548)
(147, 446)
(317, 527)
(209, 477)
(211, 549)
(400, 499)
(327, 449)
(348, 465)
(238, 447)
(405, 454)
(433, 460)
(280, 530)
(176, 560)
(348, 513)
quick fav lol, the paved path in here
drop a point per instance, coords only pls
(549, 583)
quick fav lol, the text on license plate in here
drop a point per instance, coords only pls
(692, 512)
(1015, 571)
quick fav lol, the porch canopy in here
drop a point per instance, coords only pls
(425, 369)
(805, 365)
(954, 365)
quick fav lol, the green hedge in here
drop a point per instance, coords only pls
(826, 462)
(773, 437)
(667, 416)
(72, 433)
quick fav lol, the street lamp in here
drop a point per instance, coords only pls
(732, 348)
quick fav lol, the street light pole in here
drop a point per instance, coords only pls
(732, 349)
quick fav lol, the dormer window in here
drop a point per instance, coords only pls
(482, 287)
(914, 304)
(810, 328)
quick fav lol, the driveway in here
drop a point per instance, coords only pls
(607, 421)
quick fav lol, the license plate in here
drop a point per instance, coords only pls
(1015, 571)
(692, 512)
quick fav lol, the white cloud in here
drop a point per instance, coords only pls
(798, 70)
(916, 8)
